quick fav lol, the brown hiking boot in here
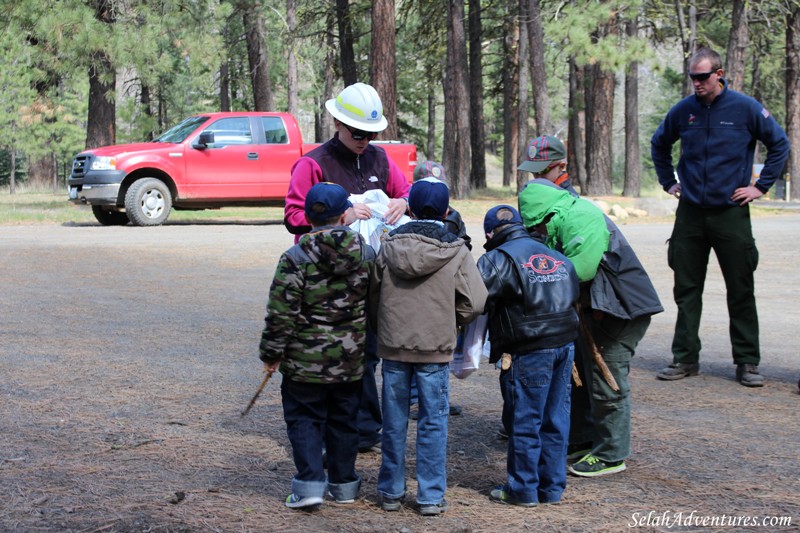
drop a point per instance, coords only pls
(747, 374)
(678, 371)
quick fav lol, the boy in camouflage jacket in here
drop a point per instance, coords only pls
(315, 332)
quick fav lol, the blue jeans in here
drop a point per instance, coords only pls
(320, 415)
(433, 383)
(537, 388)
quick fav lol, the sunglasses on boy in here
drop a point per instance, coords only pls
(360, 135)
(701, 76)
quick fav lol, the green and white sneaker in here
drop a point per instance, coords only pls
(293, 501)
(591, 466)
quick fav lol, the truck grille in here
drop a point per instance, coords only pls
(80, 165)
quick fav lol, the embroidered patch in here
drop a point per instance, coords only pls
(542, 264)
(373, 179)
(765, 112)
(531, 152)
(692, 119)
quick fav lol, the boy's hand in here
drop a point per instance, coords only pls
(272, 367)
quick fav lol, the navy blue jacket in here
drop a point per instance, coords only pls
(532, 293)
(717, 145)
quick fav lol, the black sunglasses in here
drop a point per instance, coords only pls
(701, 76)
(360, 135)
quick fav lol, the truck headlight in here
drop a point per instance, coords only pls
(104, 163)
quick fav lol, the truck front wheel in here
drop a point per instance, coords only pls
(109, 217)
(148, 202)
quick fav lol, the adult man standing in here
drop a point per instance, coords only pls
(349, 160)
(718, 129)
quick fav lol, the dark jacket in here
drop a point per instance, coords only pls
(455, 225)
(717, 145)
(532, 293)
(334, 162)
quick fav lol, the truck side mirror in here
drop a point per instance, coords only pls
(205, 138)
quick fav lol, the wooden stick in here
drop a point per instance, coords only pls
(258, 392)
(596, 356)
(576, 377)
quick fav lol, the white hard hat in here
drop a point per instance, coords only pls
(358, 106)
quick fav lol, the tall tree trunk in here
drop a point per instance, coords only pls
(382, 70)
(257, 55)
(224, 86)
(793, 98)
(737, 46)
(100, 124)
(511, 112)
(633, 169)
(523, 101)
(687, 25)
(576, 156)
(323, 123)
(430, 142)
(541, 101)
(347, 55)
(599, 119)
(291, 67)
(456, 157)
(477, 130)
(101, 120)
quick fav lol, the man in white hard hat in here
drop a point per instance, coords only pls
(349, 160)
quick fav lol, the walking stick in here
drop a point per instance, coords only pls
(596, 357)
(258, 392)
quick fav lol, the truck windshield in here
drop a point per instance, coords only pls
(177, 134)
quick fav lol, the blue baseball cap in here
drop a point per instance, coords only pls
(429, 193)
(326, 200)
(500, 215)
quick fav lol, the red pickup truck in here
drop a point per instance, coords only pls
(206, 162)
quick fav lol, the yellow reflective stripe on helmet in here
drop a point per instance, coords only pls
(353, 109)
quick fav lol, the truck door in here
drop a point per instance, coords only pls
(231, 167)
(281, 153)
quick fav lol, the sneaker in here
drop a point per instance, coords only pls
(578, 451)
(433, 510)
(390, 504)
(678, 371)
(293, 501)
(591, 466)
(501, 496)
(502, 434)
(455, 410)
(747, 374)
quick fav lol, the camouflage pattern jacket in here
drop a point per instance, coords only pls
(316, 319)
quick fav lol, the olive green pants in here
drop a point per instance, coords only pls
(601, 415)
(728, 232)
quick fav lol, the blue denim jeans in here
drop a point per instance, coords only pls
(433, 384)
(320, 415)
(537, 388)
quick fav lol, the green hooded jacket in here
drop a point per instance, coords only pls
(577, 228)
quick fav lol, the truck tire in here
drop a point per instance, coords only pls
(109, 217)
(148, 202)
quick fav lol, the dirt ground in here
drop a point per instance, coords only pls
(127, 354)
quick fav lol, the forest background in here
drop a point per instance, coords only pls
(462, 79)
